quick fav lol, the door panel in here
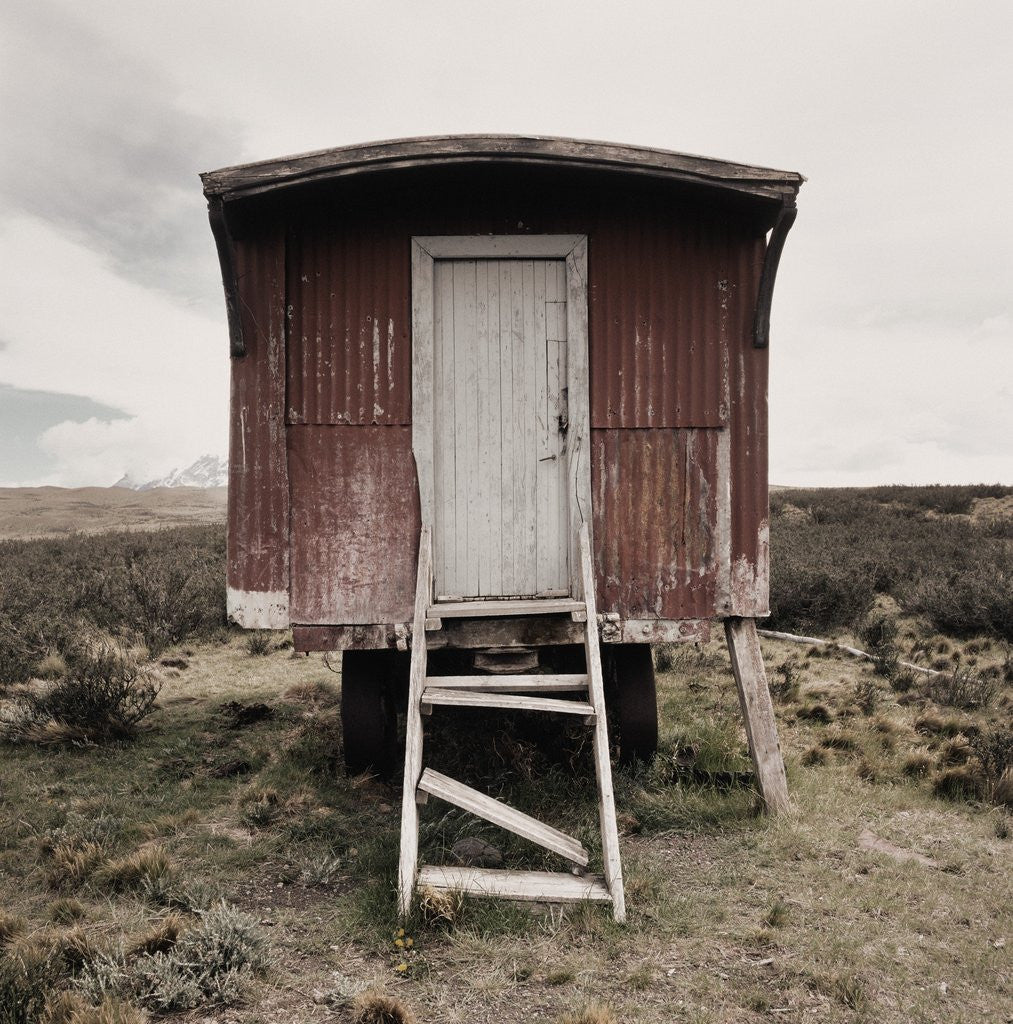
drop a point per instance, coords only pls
(500, 415)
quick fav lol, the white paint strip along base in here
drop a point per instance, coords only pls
(258, 609)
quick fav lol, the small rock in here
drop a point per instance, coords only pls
(476, 853)
(944, 989)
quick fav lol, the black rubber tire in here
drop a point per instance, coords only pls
(372, 692)
(632, 699)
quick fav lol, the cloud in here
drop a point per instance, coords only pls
(105, 153)
(100, 452)
(898, 403)
(129, 348)
(25, 415)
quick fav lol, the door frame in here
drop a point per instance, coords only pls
(426, 249)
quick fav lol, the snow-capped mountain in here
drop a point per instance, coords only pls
(207, 471)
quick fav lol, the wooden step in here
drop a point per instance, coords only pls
(511, 684)
(515, 702)
(499, 813)
(542, 886)
(495, 609)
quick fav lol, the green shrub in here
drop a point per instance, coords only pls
(834, 550)
(211, 963)
(159, 587)
(258, 644)
(103, 696)
(975, 600)
(962, 689)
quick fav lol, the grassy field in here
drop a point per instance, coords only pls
(59, 511)
(225, 826)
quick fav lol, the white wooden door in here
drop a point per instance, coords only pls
(501, 517)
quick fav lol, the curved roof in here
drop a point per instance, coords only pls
(270, 175)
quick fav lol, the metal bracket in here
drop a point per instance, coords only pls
(230, 281)
(761, 321)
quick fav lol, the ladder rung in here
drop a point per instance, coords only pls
(511, 684)
(502, 814)
(543, 886)
(482, 699)
(494, 609)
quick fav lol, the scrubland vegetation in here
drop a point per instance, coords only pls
(177, 836)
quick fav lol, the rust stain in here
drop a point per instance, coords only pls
(355, 524)
(654, 522)
(258, 466)
(349, 358)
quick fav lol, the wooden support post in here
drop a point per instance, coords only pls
(757, 712)
(408, 865)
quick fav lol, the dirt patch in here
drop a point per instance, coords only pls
(236, 715)
(992, 508)
(876, 844)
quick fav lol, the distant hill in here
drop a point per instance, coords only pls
(207, 471)
(27, 512)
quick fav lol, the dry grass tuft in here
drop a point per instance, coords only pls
(64, 951)
(918, 764)
(160, 936)
(68, 1008)
(816, 713)
(932, 723)
(11, 926)
(64, 1008)
(956, 750)
(777, 916)
(1003, 792)
(436, 907)
(71, 863)
(964, 782)
(814, 757)
(378, 1008)
(65, 910)
(311, 692)
(595, 1013)
(150, 864)
(839, 739)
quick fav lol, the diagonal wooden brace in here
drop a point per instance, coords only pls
(757, 712)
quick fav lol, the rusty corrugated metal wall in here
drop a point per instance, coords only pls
(258, 510)
(349, 357)
(679, 532)
(355, 524)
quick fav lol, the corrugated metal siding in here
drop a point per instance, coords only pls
(671, 292)
(657, 287)
(355, 524)
(349, 308)
(654, 521)
(750, 552)
(258, 466)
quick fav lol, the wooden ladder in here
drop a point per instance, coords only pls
(517, 692)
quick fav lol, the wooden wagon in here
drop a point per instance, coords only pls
(499, 404)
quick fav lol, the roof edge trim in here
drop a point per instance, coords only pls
(269, 175)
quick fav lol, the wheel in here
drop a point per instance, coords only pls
(371, 693)
(632, 698)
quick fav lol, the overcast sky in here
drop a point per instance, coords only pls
(892, 329)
